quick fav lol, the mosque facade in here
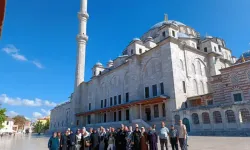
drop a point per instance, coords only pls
(167, 74)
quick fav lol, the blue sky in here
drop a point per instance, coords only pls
(38, 45)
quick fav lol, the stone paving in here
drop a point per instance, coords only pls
(21, 142)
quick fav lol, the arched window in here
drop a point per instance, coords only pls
(244, 116)
(205, 118)
(217, 117)
(195, 118)
(177, 119)
(193, 69)
(248, 75)
(230, 116)
(195, 85)
(132, 52)
(202, 88)
(182, 65)
(215, 49)
(199, 68)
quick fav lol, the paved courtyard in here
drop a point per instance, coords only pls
(21, 142)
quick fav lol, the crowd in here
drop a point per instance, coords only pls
(124, 138)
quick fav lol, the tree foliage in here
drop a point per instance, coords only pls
(46, 126)
(2, 117)
(20, 121)
(39, 127)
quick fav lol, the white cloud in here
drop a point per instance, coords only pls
(19, 57)
(37, 115)
(15, 53)
(25, 102)
(36, 102)
(49, 104)
(10, 49)
(46, 112)
(12, 114)
(38, 64)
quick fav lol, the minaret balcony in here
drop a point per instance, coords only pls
(82, 38)
(83, 15)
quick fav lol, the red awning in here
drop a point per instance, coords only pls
(126, 105)
(2, 12)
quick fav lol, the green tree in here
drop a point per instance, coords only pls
(2, 117)
(46, 126)
(20, 121)
(38, 127)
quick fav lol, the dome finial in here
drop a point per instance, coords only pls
(165, 17)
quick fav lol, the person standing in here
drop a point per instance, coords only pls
(111, 142)
(163, 136)
(53, 143)
(85, 140)
(94, 140)
(102, 135)
(129, 137)
(78, 140)
(173, 135)
(64, 141)
(121, 139)
(182, 132)
(144, 139)
(136, 138)
(59, 136)
(72, 141)
(152, 139)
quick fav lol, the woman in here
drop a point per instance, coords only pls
(85, 142)
(78, 139)
(152, 139)
(53, 143)
(144, 139)
(101, 139)
(111, 142)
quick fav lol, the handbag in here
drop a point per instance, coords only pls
(87, 144)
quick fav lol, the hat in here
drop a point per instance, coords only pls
(136, 125)
(68, 129)
(142, 127)
(83, 128)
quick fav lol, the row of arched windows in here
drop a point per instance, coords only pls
(196, 87)
(244, 117)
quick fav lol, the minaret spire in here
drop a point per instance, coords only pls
(82, 39)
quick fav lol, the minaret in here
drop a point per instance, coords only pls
(82, 39)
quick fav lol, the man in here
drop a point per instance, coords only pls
(173, 135)
(121, 138)
(136, 138)
(94, 140)
(163, 135)
(182, 132)
(72, 141)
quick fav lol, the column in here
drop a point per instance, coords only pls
(152, 111)
(160, 110)
(140, 112)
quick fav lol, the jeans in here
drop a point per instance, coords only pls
(183, 145)
(164, 142)
(174, 143)
(110, 147)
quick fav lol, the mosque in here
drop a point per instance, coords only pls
(169, 73)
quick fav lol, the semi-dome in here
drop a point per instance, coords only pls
(98, 64)
(167, 22)
(110, 61)
(136, 39)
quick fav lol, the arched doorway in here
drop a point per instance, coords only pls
(187, 124)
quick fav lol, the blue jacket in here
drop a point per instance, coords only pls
(53, 143)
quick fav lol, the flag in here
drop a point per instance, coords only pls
(2, 12)
(243, 58)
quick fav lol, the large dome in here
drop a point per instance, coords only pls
(167, 22)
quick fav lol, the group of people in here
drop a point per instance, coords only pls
(124, 138)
